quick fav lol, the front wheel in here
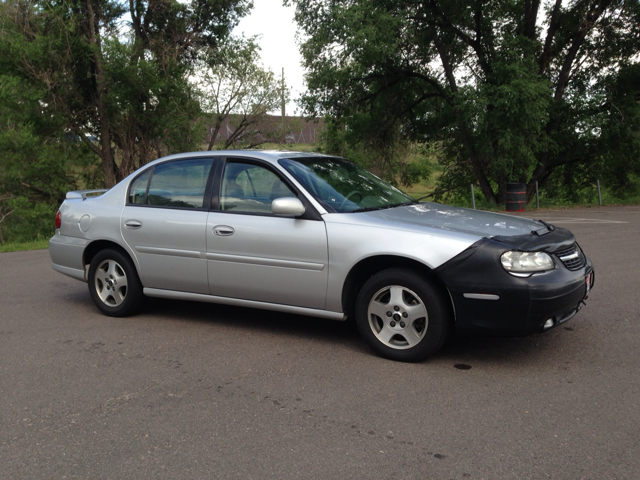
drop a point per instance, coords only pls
(402, 316)
(114, 284)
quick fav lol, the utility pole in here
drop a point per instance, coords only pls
(284, 136)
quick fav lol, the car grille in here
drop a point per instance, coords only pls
(572, 257)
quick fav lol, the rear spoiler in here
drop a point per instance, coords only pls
(82, 194)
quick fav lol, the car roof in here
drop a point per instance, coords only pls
(271, 156)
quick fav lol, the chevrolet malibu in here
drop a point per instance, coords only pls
(320, 236)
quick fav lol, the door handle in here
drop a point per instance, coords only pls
(133, 224)
(223, 230)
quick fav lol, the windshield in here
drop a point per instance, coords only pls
(342, 186)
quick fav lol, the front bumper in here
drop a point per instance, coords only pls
(489, 301)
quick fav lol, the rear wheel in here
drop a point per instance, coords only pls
(402, 316)
(114, 284)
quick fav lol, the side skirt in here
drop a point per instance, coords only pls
(236, 302)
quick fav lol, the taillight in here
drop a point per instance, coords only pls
(58, 219)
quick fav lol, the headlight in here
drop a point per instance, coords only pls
(526, 262)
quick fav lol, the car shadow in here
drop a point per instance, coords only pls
(502, 350)
(457, 350)
(255, 319)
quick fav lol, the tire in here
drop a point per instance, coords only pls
(403, 316)
(114, 284)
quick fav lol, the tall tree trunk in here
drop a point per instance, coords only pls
(216, 131)
(92, 31)
(543, 169)
(476, 162)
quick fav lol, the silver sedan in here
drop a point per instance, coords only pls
(317, 235)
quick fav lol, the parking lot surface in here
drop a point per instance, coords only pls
(187, 390)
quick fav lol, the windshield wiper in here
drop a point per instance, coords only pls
(383, 207)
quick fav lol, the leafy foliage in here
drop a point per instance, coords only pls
(38, 161)
(234, 88)
(87, 80)
(619, 139)
(120, 86)
(394, 159)
(512, 90)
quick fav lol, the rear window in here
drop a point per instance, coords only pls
(179, 184)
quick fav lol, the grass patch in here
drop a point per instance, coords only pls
(419, 191)
(24, 246)
(424, 189)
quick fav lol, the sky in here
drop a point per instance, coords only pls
(277, 28)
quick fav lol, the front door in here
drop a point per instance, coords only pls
(255, 255)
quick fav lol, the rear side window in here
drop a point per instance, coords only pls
(138, 189)
(180, 184)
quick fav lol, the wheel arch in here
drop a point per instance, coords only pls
(367, 267)
(98, 245)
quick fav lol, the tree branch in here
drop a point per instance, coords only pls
(553, 27)
(587, 25)
(476, 43)
(35, 189)
(90, 144)
(531, 8)
(240, 129)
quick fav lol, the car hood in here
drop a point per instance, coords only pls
(461, 220)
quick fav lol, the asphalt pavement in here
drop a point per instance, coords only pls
(202, 391)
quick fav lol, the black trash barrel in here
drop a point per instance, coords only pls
(516, 197)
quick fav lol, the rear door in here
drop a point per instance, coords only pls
(255, 255)
(164, 223)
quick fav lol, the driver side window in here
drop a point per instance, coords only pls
(249, 188)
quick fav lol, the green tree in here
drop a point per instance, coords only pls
(513, 90)
(390, 156)
(619, 123)
(87, 80)
(39, 162)
(236, 89)
(121, 86)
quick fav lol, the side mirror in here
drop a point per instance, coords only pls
(287, 207)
